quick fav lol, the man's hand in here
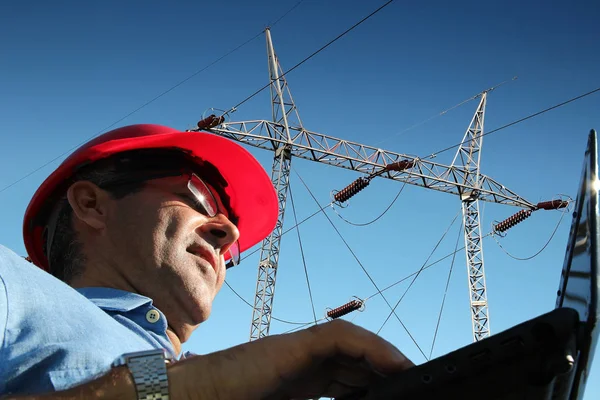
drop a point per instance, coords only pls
(331, 360)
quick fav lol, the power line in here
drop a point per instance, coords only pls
(517, 121)
(445, 111)
(437, 326)
(367, 298)
(286, 13)
(305, 325)
(314, 53)
(453, 255)
(302, 254)
(277, 319)
(566, 211)
(378, 217)
(427, 266)
(485, 134)
(289, 229)
(361, 265)
(421, 269)
(150, 101)
(419, 272)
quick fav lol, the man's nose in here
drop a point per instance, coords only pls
(220, 232)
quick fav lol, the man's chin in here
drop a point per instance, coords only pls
(189, 328)
(202, 313)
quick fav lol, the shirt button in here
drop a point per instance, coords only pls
(152, 316)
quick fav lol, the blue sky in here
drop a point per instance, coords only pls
(70, 69)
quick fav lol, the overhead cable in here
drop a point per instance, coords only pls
(376, 218)
(149, 101)
(445, 111)
(433, 155)
(361, 265)
(564, 212)
(277, 319)
(285, 14)
(437, 326)
(290, 229)
(420, 270)
(302, 254)
(314, 53)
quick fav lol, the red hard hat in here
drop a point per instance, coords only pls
(252, 196)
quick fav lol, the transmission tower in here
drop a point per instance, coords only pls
(286, 136)
(283, 108)
(469, 154)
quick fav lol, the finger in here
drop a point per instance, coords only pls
(356, 376)
(346, 373)
(362, 364)
(343, 338)
(339, 390)
(331, 390)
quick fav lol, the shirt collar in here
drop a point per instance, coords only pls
(114, 299)
(134, 307)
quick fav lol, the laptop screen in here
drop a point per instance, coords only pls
(578, 287)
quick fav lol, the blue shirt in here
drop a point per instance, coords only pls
(53, 337)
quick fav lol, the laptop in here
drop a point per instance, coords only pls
(547, 357)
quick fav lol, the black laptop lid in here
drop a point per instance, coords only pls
(578, 287)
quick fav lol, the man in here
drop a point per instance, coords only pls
(129, 240)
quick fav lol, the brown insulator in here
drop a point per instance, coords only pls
(513, 220)
(551, 205)
(400, 165)
(210, 122)
(347, 308)
(352, 189)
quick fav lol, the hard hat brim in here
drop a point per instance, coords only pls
(252, 195)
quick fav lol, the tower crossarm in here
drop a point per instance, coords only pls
(368, 160)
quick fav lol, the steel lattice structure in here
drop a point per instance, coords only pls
(314, 146)
(269, 252)
(283, 109)
(469, 153)
(289, 139)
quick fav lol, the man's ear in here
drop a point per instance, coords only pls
(90, 204)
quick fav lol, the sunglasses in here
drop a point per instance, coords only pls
(203, 198)
(207, 205)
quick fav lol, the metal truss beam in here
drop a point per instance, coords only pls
(366, 159)
(469, 154)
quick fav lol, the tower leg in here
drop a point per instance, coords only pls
(269, 254)
(475, 269)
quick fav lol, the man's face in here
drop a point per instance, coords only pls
(169, 250)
